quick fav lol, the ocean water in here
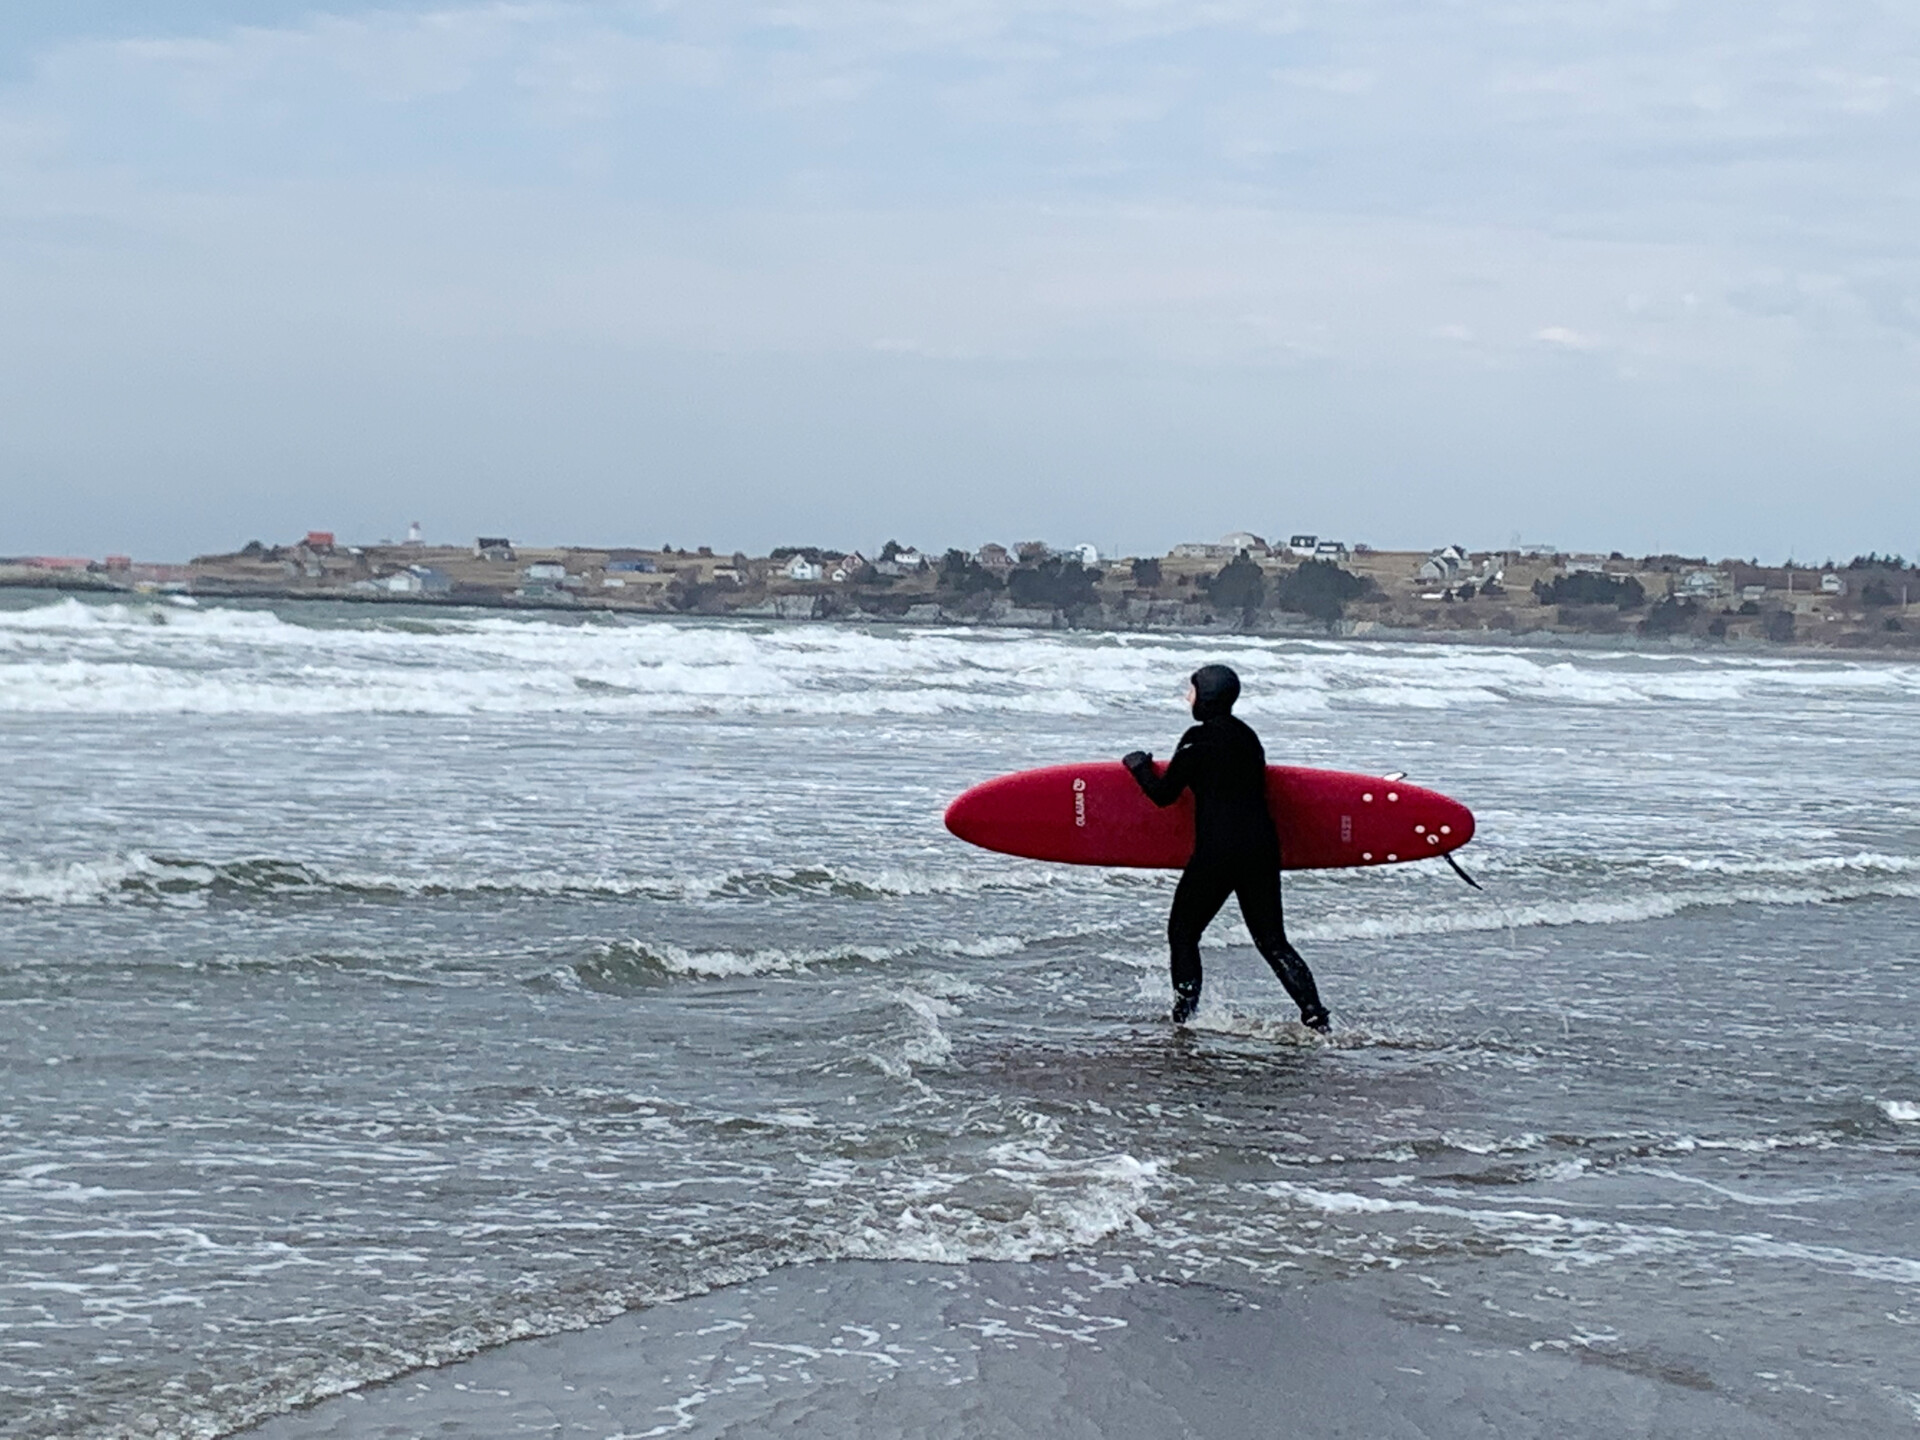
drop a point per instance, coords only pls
(380, 985)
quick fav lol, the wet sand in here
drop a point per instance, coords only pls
(1057, 1349)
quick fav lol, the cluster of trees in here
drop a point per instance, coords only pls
(1670, 617)
(961, 574)
(1240, 585)
(814, 554)
(1590, 587)
(1063, 584)
(1317, 588)
(1879, 594)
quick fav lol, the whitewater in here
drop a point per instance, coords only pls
(382, 985)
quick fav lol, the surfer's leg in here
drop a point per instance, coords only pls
(1196, 900)
(1259, 896)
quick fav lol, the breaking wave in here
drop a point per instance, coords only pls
(138, 877)
(75, 657)
(1809, 881)
(1334, 914)
(1064, 1205)
(619, 965)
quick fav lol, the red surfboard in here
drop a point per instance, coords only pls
(1096, 815)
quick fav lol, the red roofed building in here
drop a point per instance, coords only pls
(319, 540)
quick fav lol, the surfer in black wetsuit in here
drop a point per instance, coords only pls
(1236, 850)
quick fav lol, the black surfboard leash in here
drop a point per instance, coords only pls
(1513, 943)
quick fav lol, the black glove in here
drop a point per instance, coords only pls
(1137, 760)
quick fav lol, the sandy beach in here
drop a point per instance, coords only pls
(1055, 1348)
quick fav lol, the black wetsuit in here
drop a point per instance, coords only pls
(1236, 850)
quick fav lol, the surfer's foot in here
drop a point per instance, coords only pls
(1185, 1002)
(1317, 1019)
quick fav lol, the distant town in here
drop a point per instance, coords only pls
(1302, 583)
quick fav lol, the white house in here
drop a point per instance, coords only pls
(1330, 550)
(798, 567)
(1832, 584)
(544, 570)
(417, 580)
(1440, 567)
(1245, 540)
(1702, 584)
(1200, 550)
(904, 562)
(1088, 555)
(1302, 544)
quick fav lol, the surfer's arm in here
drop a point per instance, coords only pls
(1165, 788)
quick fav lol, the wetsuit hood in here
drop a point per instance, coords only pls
(1215, 688)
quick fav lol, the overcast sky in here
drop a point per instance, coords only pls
(1603, 273)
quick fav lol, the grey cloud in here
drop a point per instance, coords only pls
(1474, 210)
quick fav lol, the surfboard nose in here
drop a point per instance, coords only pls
(983, 816)
(1455, 823)
(964, 814)
(1441, 824)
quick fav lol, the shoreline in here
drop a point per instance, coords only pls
(1895, 647)
(1075, 1346)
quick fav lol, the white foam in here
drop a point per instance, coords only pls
(137, 875)
(1901, 1112)
(70, 656)
(729, 964)
(1863, 862)
(80, 882)
(1859, 883)
(1586, 1241)
(1070, 1205)
(721, 964)
(930, 1044)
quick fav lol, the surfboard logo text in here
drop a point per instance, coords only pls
(1080, 802)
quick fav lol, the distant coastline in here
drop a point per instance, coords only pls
(1239, 584)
